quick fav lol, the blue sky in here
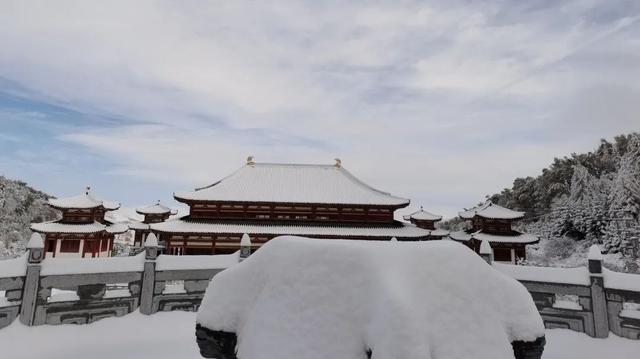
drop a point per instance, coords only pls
(440, 101)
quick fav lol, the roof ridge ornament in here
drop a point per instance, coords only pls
(338, 163)
(251, 161)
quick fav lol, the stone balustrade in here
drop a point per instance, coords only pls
(39, 291)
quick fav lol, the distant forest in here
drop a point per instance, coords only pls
(585, 198)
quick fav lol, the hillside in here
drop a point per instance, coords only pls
(584, 199)
(20, 205)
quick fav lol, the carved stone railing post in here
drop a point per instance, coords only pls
(598, 297)
(35, 249)
(245, 247)
(486, 252)
(149, 275)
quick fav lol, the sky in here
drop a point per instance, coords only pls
(442, 102)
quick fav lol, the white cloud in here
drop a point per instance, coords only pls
(433, 100)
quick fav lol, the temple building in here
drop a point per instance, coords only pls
(153, 213)
(83, 230)
(427, 220)
(266, 200)
(492, 223)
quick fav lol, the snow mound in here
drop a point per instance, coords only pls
(305, 298)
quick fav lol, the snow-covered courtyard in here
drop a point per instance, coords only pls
(170, 335)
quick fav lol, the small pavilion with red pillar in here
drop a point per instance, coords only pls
(153, 213)
(427, 220)
(83, 230)
(493, 223)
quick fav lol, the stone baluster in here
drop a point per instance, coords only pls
(149, 275)
(35, 252)
(245, 247)
(598, 296)
(486, 252)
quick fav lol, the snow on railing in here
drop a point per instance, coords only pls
(577, 276)
(15, 267)
(219, 261)
(61, 266)
(589, 299)
(621, 281)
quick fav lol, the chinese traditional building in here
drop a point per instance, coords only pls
(83, 230)
(153, 213)
(266, 200)
(493, 223)
(427, 220)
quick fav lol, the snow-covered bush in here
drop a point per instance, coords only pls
(304, 298)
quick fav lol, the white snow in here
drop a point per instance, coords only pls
(15, 267)
(218, 261)
(579, 276)
(57, 227)
(622, 281)
(170, 335)
(630, 313)
(595, 253)
(306, 298)
(485, 247)
(174, 287)
(35, 241)
(492, 211)
(423, 215)
(516, 237)
(58, 295)
(83, 201)
(151, 241)
(117, 293)
(245, 241)
(155, 208)
(182, 226)
(59, 266)
(117, 228)
(567, 301)
(138, 225)
(292, 183)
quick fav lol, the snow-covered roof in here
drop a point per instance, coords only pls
(422, 215)
(491, 211)
(83, 201)
(292, 183)
(439, 232)
(78, 228)
(117, 228)
(57, 227)
(299, 281)
(193, 226)
(155, 208)
(515, 237)
(138, 225)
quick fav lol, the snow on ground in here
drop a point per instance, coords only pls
(171, 335)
